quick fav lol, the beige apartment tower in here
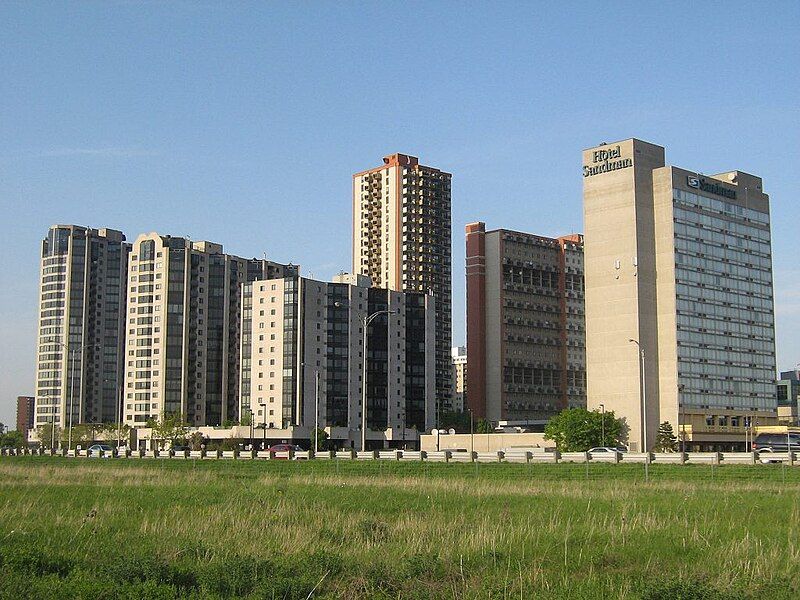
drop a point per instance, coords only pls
(182, 329)
(402, 241)
(679, 301)
(81, 320)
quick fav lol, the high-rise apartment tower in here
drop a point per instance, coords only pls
(182, 330)
(402, 241)
(81, 319)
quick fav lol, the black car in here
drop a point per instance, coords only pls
(777, 442)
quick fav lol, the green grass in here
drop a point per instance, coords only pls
(219, 529)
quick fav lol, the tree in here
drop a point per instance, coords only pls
(12, 439)
(665, 438)
(195, 441)
(171, 428)
(484, 426)
(322, 439)
(577, 429)
(46, 434)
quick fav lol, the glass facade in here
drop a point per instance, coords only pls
(724, 302)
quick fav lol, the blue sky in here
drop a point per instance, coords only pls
(242, 123)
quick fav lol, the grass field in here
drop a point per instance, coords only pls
(172, 529)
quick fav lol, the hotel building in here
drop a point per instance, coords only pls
(525, 325)
(182, 330)
(678, 266)
(81, 319)
(302, 354)
(402, 241)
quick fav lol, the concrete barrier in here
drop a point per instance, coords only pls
(518, 456)
(489, 457)
(438, 456)
(545, 457)
(674, 458)
(702, 458)
(574, 457)
(462, 457)
(739, 458)
(412, 455)
(636, 457)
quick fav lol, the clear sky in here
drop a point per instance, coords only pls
(241, 123)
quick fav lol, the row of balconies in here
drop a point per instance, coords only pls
(527, 339)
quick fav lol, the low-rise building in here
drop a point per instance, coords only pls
(789, 397)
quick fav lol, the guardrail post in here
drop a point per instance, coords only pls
(423, 455)
(291, 453)
(716, 458)
(500, 455)
(791, 458)
(617, 457)
(556, 456)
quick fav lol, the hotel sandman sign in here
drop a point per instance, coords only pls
(604, 161)
(715, 188)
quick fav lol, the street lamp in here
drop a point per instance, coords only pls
(683, 418)
(471, 433)
(366, 320)
(603, 424)
(71, 357)
(316, 411)
(643, 395)
(264, 412)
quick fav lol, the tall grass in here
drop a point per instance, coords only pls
(169, 529)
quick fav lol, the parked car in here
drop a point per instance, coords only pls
(777, 442)
(100, 450)
(606, 449)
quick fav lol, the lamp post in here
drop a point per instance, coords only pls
(471, 433)
(603, 424)
(71, 358)
(365, 321)
(316, 411)
(683, 418)
(643, 396)
(264, 412)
